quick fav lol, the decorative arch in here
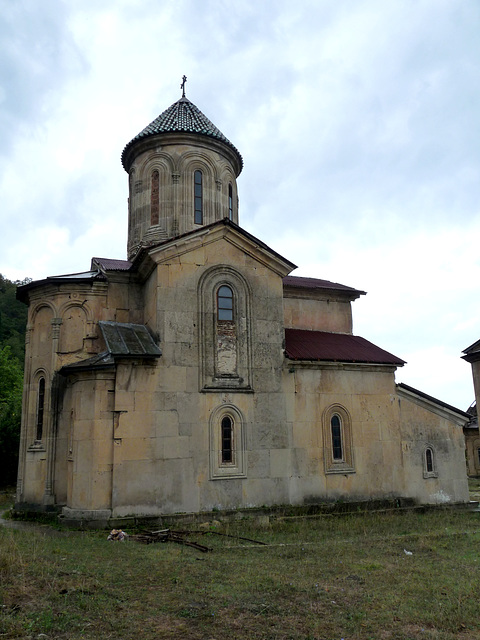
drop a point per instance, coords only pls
(225, 335)
(227, 443)
(41, 335)
(337, 440)
(73, 330)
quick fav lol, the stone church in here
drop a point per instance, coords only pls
(199, 375)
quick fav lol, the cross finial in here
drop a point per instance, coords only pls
(182, 86)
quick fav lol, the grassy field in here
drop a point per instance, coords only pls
(326, 578)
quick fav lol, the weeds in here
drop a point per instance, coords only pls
(320, 578)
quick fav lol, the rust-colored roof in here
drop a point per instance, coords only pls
(335, 347)
(315, 283)
(110, 264)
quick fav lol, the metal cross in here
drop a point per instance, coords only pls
(182, 86)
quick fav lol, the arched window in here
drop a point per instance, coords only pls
(198, 197)
(225, 303)
(227, 440)
(338, 441)
(230, 201)
(155, 199)
(40, 408)
(227, 443)
(429, 460)
(337, 446)
(429, 466)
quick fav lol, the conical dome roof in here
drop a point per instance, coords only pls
(182, 116)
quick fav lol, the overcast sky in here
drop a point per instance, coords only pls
(358, 122)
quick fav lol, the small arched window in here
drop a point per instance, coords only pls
(40, 408)
(230, 201)
(429, 460)
(225, 303)
(429, 464)
(155, 199)
(337, 445)
(337, 438)
(227, 440)
(198, 197)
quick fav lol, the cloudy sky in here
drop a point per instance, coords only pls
(358, 121)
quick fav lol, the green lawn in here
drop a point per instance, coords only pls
(329, 578)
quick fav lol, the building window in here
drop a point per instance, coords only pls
(155, 199)
(429, 466)
(230, 202)
(198, 197)
(478, 456)
(227, 443)
(337, 448)
(40, 408)
(337, 437)
(225, 303)
(227, 440)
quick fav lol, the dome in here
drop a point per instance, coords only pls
(182, 116)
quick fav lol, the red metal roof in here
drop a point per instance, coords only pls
(335, 347)
(315, 283)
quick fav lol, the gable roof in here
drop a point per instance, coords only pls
(301, 344)
(182, 116)
(419, 395)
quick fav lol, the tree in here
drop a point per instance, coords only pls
(11, 385)
(13, 318)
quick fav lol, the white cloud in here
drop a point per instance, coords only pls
(357, 123)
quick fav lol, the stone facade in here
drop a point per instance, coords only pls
(199, 375)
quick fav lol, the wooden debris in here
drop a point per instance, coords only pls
(180, 537)
(167, 535)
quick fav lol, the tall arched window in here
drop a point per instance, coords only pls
(155, 198)
(227, 440)
(429, 460)
(227, 443)
(230, 201)
(337, 438)
(337, 445)
(225, 303)
(198, 197)
(429, 464)
(40, 408)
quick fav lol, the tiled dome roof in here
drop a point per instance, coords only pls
(183, 116)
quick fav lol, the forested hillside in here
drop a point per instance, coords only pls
(13, 318)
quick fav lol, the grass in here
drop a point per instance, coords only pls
(318, 578)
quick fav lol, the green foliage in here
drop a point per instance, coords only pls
(11, 384)
(13, 318)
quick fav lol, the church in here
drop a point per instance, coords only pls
(199, 375)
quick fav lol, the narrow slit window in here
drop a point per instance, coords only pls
(225, 303)
(337, 447)
(198, 197)
(230, 202)
(40, 408)
(155, 199)
(227, 440)
(429, 460)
